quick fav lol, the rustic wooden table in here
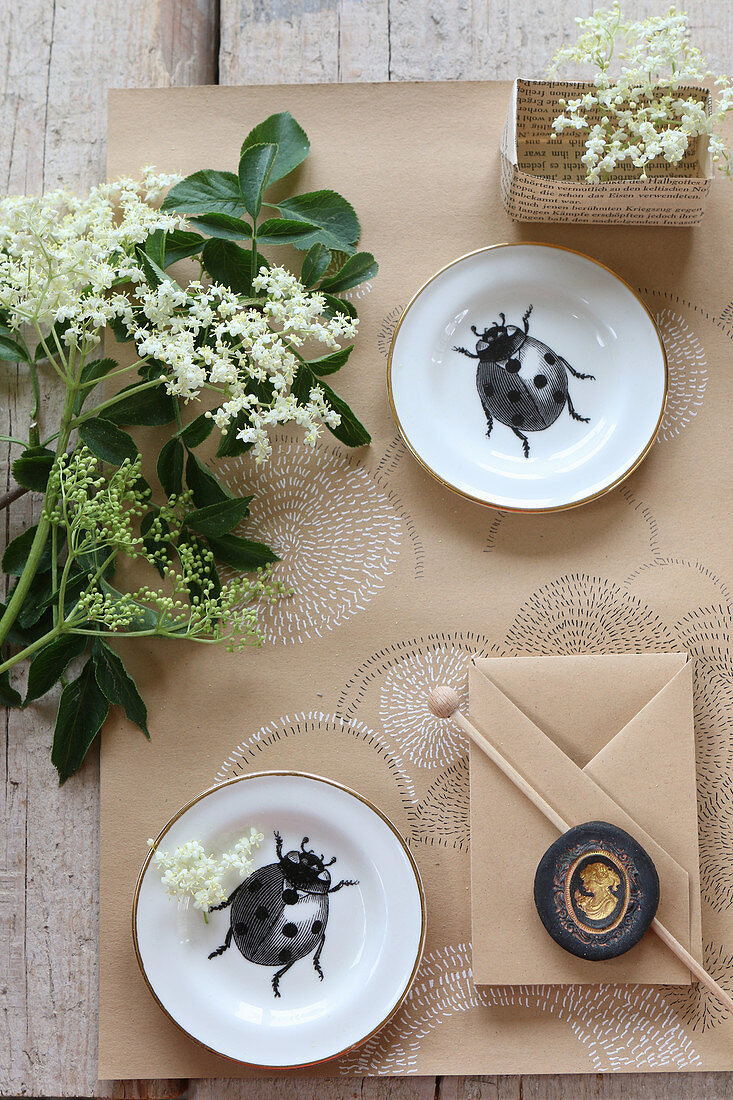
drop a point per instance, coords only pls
(59, 59)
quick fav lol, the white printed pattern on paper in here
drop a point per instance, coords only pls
(619, 1025)
(688, 376)
(337, 532)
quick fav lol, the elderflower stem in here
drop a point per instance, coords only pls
(54, 569)
(98, 409)
(30, 649)
(34, 437)
(42, 531)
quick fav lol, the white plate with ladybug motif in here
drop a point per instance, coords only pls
(313, 951)
(527, 377)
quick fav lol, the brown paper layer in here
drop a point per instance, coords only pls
(399, 582)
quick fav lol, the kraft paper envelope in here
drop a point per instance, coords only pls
(602, 737)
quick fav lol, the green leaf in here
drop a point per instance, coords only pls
(329, 364)
(224, 226)
(231, 265)
(291, 140)
(75, 585)
(117, 684)
(154, 274)
(50, 662)
(315, 264)
(154, 247)
(357, 269)
(94, 559)
(338, 305)
(9, 697)
(194, 434)
(32, 468)
(120, 330)
(338, 224)
(179, 244)
(12, 351)
(108, 442)
(148, 407)
(17, 551)
(218, 519)
(35, 607)
(350, 431)
(206, 192)
(82, 711)
(206, 488)
(170, 467)
(242, 554)
(20, 637)
(230, 446)
(91, 372)
(283, 231)
(255, 166)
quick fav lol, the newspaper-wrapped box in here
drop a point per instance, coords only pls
(543, 180)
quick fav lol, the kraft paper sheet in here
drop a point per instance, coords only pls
(399, 582)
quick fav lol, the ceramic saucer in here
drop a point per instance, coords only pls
(527, 377)
(293, 920)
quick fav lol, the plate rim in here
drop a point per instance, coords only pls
(300, 775)
(510, 507)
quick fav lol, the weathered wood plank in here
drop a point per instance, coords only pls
(480, 1088)
(317, 1088)
(303, 41)
(59, 60)
(502, 39)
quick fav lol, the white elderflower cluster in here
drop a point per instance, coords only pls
(238, 858)
(61, 255)
(190, 873)
(69, 267)
(645, 112)
(207, 337)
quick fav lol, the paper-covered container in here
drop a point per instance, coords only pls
(544, 180)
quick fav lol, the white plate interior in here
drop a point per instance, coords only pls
(583, 313)
(374, 931)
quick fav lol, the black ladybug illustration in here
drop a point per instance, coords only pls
(521, 382)
(280, 912)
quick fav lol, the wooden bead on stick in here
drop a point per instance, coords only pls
(443, 701)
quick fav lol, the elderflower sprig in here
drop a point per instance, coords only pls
(647, 113)
(100, 516)
(244, 339)
(190, 873)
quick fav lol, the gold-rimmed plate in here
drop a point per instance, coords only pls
(310, 957)
(527, 377)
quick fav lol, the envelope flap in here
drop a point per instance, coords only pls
(582, 701)
(650, 753)
(571, 791)
(655, 753)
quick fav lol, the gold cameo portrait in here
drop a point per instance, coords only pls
(597, 892)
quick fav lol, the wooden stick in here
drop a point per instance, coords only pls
(443, 703)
